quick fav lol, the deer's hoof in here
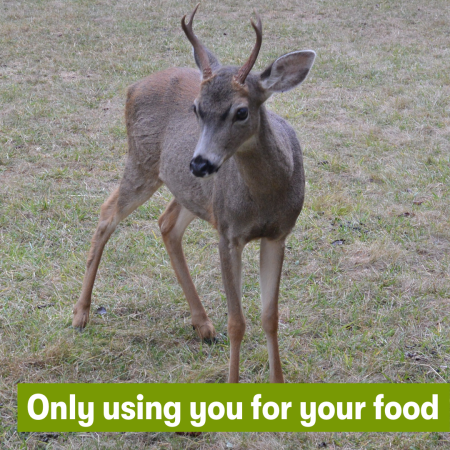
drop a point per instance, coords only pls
(80, 317)
(206, 331)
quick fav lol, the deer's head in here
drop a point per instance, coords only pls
(228, 104)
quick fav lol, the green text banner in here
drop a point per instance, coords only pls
(233, 407)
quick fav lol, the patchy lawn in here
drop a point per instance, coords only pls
(365, 293)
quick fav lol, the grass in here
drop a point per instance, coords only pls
(365, 294)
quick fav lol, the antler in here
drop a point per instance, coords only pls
(199, 49)
(245, 69)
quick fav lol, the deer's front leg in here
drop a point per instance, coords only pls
(230, 259)
(173, 224)
(271, 261)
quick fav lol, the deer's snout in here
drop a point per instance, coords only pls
(201, 167)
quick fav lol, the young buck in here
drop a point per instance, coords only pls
(226, 159)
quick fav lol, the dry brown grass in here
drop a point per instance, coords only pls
(373, 119)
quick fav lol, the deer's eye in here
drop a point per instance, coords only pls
(241, 114)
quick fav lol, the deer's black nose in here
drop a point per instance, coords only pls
(201, 167)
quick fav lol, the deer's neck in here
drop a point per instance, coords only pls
(265, 161)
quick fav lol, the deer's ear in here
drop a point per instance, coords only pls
(287, 71)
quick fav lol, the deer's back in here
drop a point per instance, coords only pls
(159, 104)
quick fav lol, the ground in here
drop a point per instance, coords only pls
(365, 294)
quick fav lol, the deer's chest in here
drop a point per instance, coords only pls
(246, 217)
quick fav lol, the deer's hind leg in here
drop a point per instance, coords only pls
(173, 222)
(136, 187)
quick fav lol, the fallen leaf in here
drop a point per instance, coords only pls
(188, 433)
(46, 305)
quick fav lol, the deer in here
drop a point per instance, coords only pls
(207, 135)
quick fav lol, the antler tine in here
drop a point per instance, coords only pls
(199, 49)
(245, 69)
